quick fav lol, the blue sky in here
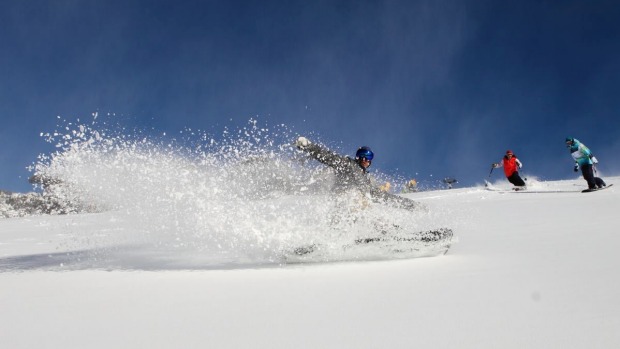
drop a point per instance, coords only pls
(436, 88)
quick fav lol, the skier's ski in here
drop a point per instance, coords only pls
(511, 190)
(423, 236)
(438, 240)
(525, 190)
(544, 191)
(397, 243)
(597, 189)
(303, 250)
(488, 186)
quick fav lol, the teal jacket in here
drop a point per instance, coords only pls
(580, 153)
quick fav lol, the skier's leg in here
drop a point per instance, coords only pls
(516, 180)
(511, 180)
(600, 183)
(588, 175)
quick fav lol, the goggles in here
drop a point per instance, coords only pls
(365, 154)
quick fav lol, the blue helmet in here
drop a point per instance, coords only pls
(364, 153)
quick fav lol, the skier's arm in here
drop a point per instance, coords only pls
(320, 153)
(499, 164)
(519, 164)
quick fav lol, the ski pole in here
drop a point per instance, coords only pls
(486, 183)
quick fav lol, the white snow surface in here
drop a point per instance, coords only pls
(528, 270)
(187, 244)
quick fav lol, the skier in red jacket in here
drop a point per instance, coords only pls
(511, 168)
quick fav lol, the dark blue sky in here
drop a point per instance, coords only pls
(436, 88)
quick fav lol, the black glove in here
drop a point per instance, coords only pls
(576, 169)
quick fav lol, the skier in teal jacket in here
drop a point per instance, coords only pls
(585, 161)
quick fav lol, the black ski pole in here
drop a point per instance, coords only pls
(486, 183)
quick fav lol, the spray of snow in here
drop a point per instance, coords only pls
(247, 197)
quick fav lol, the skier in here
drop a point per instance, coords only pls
(410, 187)
(353, 173)
(351, 177)
(585, 161)
(386, 187)
(511, 165)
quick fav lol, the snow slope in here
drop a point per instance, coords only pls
(529, 270)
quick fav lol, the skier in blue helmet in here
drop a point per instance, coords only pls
(364, 157)
(584, 160)
(353, 173)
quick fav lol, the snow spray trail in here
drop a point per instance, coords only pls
(198, 202)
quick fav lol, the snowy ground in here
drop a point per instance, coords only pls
(529, 270)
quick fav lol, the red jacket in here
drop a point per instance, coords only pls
(511, 165)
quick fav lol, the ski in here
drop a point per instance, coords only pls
(544, 191)
(597, 189)
(423, 236)
(523, 190)
(488, 186)
(439, 239)
(511, 190)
